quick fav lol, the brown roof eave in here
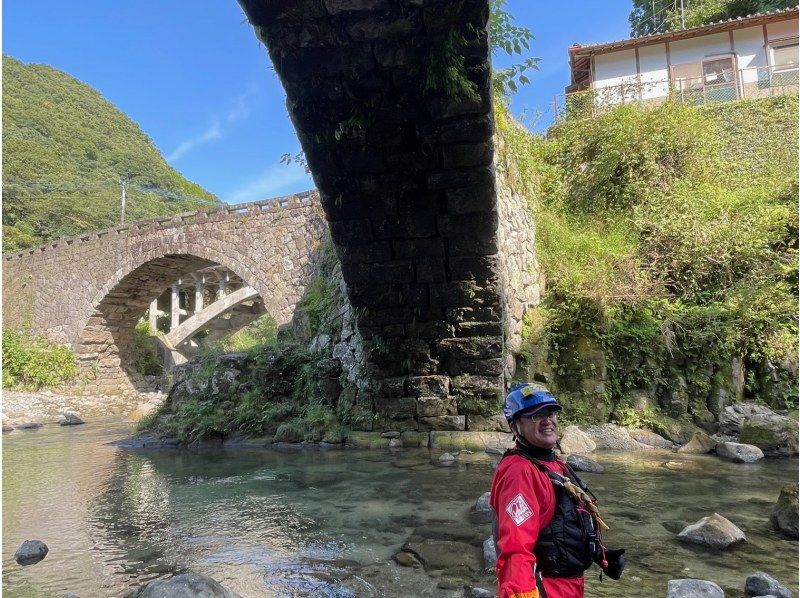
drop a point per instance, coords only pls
(576, 50)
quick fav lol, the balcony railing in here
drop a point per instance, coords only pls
(721, 86)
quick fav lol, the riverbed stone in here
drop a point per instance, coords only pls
(700, 444)
(481, 593)
(739, 453)
(761, 584)
(27, 425)
(714, 531)
(446, 458)
(650, 438)
(693, 588)
(482, 509)
(489, 553)
(784, 516)
(185, 585)
(584, 463)
(69, 418)
(405, 559)
(30, 552)
(446, 555)
(775, 435)
(576, 441)
(612, 436)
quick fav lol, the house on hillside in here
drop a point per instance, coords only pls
(748, 57)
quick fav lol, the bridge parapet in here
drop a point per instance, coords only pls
(273, 205)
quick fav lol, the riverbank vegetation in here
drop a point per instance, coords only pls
(668, 237)
(33, 363)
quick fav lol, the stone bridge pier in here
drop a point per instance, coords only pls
(392, 103)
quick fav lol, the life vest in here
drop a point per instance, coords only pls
(571, 542)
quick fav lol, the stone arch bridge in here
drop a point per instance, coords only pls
(90, 291)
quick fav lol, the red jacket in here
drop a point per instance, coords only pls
(524, 500)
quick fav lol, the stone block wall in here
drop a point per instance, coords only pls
(401, 151)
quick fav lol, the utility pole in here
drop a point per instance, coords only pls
(123, 180)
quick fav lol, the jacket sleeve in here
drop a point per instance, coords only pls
(517, 498)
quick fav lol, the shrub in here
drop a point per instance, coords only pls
(145, 357)
(35, 363)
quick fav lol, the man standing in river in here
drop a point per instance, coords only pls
(546, 528)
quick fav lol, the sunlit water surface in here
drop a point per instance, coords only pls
(299, 523)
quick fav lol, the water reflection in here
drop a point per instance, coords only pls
(324, 524)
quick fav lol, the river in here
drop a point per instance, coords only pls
(312, 523)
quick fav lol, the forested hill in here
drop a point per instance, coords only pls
(64, 150)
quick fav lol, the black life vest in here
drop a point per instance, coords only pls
(571, 542)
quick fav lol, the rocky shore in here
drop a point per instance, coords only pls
(21, 408)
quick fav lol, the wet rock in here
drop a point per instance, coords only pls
(700, 444)
(739, 453)
(27, 425)
(7, 428)
(391, 434)
(714, 531)
(69, 418)
(483, 509)
(733, 416)
(30, 552)
(693, 588)
(489, 553)
(576, 441)
(405, 559)
(395, 443)
(583, 463)
(775, 435)
(784, 514)
(446, 555)
(677, 430)
(612, 436)
(481, 593)
(649, 438)
(446, 458)
(185, 585)
(71, 595)
(761, 584)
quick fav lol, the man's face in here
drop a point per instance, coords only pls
(541, 430)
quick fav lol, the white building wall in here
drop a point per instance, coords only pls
(697, 48)
(653, 70)
(749, 46)
(782, 29)
(615, 77)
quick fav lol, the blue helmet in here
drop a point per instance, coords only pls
(527, 398)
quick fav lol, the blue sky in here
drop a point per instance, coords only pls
(196, 80)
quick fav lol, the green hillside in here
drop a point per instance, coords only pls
(64, 150)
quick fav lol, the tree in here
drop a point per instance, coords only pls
(659, 16)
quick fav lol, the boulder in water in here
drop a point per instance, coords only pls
(583, 463)
(69, 418)
(489, 553)
(693, 588)
(700, 444)
(714, 531)
(185, 585)
(483, 509)
(30, 552)
(785, 512)
(612, 436)
(650, 438)
(775, 435)
(574, 440)
(761, 584)
(739, 453)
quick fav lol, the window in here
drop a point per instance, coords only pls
(784, 55)
(718, 71)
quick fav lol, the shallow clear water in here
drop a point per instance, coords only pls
(324, 523)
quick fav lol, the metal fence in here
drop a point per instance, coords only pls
(721, 86)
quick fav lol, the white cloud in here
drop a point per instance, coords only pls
(211, 133)
(240, 110)
(276, 180)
